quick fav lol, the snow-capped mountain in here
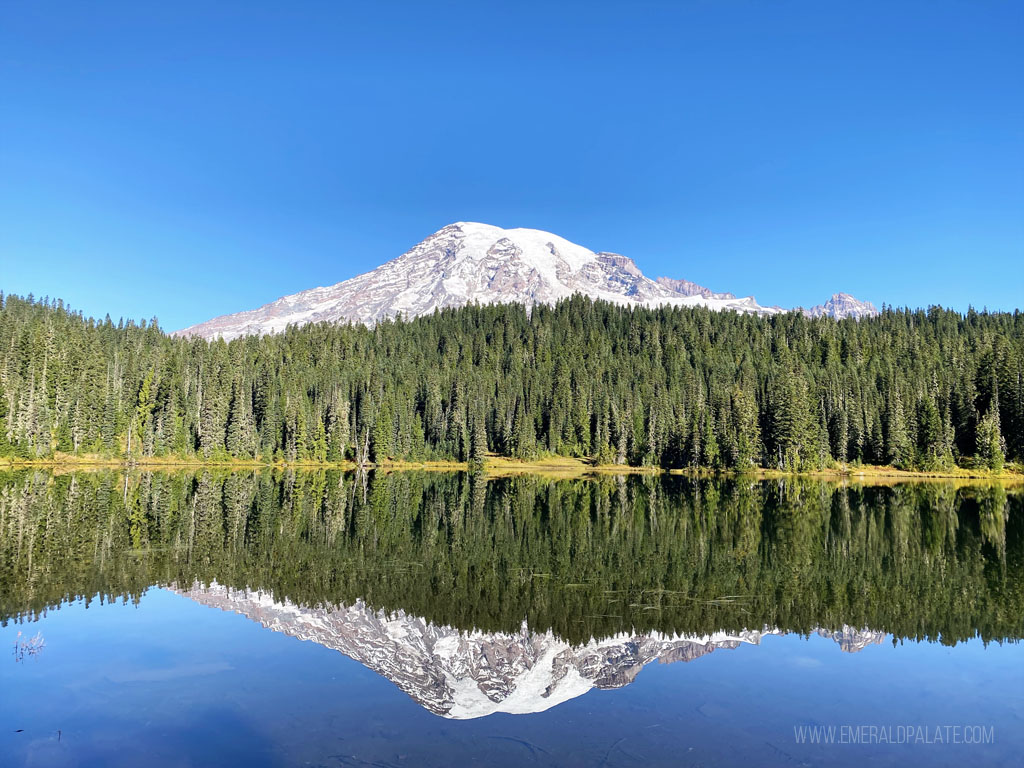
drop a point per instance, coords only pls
(843, 305)
(467, 262)
(463, 675)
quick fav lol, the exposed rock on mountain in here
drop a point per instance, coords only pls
(463, 675)
(686, 288)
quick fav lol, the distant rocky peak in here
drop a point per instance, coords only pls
(843, 305)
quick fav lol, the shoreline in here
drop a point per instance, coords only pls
(499, 466)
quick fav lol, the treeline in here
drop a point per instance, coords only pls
(583, 558)
(672, 387)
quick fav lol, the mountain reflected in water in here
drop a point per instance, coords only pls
(467, 674)
(511, 595)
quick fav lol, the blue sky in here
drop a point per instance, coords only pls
(188, 159)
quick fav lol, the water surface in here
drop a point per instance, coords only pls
(445, 619)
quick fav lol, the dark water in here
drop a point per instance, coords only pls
(428, 619)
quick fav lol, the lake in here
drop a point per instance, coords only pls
(446, 619)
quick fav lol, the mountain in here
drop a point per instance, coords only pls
(463, 675)
(463, 263)
(467, 262)
(843, 305)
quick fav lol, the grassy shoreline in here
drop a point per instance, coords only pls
(498, 466)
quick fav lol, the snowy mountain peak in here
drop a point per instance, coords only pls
(542, 250)
(468, 262)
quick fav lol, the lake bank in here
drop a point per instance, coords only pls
(500, 466)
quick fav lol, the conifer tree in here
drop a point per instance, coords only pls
(990, 441)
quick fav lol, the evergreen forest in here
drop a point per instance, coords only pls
(670, 387)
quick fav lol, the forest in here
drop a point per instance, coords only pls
(670, 387)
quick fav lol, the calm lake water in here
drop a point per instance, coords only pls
(418, 619)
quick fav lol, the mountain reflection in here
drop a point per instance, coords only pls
(462, 675)
(635, 562)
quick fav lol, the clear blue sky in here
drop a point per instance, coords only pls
(187, 159)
